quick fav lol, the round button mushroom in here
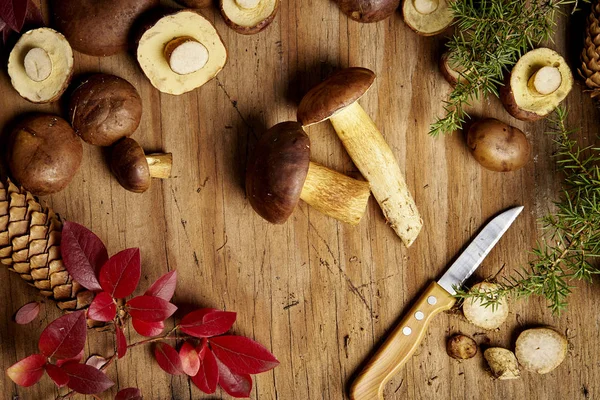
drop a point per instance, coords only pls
(40, 65)
(134, 169)
(44, 153)
(105, 109)
(336, 99)
(249, 16)
(427, 17)
(280, 173)
(368, 10)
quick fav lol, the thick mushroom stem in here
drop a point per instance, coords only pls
(247, 4)
(186, 55)
(160, 165)
(375, 160)
(335, 194)
(38, 65)
(426, 7)
(545, 81)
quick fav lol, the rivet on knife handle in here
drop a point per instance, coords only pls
(401, 344)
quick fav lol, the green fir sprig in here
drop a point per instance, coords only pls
(569, 250)
(490, 37)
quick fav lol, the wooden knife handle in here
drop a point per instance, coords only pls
(401, 344)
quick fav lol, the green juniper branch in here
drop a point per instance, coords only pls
(571, 241)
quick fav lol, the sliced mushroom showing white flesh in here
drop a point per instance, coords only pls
(40, 65)
(181, 52)
(249, 16)
(427, 17)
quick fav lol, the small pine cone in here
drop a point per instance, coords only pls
(30, 246)
(590, 57)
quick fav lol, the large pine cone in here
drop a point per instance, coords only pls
(590, 57)
(30, 245)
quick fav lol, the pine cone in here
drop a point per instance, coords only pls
(590, 57)
(30, 245)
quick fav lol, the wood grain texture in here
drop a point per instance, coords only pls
(320, 294)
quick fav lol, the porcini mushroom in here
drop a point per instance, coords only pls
(249, 16)
(44, 153)
(450, 72)
(336, 99)
(98, 27)
(134, 169)
(280, 173)
(181, 52)
(368, 10)
(40, 65)
(105, 109)
(427, 17)
(537, 84)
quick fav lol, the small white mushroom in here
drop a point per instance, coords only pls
(485, 316)
(503, 363)
(541, 349)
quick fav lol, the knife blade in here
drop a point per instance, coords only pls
(408, 334)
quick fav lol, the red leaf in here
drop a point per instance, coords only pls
(207, 322)
(13, 13)
(129, 394)
(168, 359)
(121, 342)
(83, 254)
(148, 329)
(86, 379)
(243, 355)
(202, 348)
(77, 358)
(121, 273)
(27, 313)
(96, 361)
(59, 376)
(208, 374)
(150, 309)
(64, 337)
(235, 385)
(28, 371)
(103, 308)
(164, 287)
(190, 361)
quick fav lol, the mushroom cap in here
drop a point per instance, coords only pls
(277, 171)
(128, 164)
(334, 94)
(368, 10)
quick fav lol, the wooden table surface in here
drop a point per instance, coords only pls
(319, 294)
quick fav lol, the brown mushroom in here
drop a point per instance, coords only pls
(44, 153)
(451, 73)
(105, 109)
(336, 99)
(280, 173)
(196, 3)
(427, 17)
(368, 10)
(40, 65)
(461, 347)
(249, 16)
(98, 27)
(134, 169)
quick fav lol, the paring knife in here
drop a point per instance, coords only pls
(438, 297)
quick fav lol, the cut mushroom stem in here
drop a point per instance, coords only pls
(247, 4)
(160, 165)
(335, 194)
(426, 7)
(38, 65)
(545, 81)
(186, 55)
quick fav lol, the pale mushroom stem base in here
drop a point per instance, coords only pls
(160, 165)
(375, 160)
(335, 194)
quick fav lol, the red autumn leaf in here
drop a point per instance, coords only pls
(235, 385)
(243, 355)
(164, 287)
(86, 379)
(83, 254)
(121, 273)
(202, 348)
(208, 374)
(13, 12)
(190, 361)
(59, 376)
(207, 322)
(64, 337)
(150, 309)
(121, 342)
(77, 358)
(129, 394)
(103, 308)
(27, 313)
(28, 371)
(96, 361)
(168, 359)
(148, 329)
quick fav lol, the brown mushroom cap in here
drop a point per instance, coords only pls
(129, 165)
(195, 3)
(277, 171)
(333, 94)
(44, 153)
(104, 109)
(368, 10)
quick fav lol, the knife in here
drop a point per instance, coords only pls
(438, 297)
